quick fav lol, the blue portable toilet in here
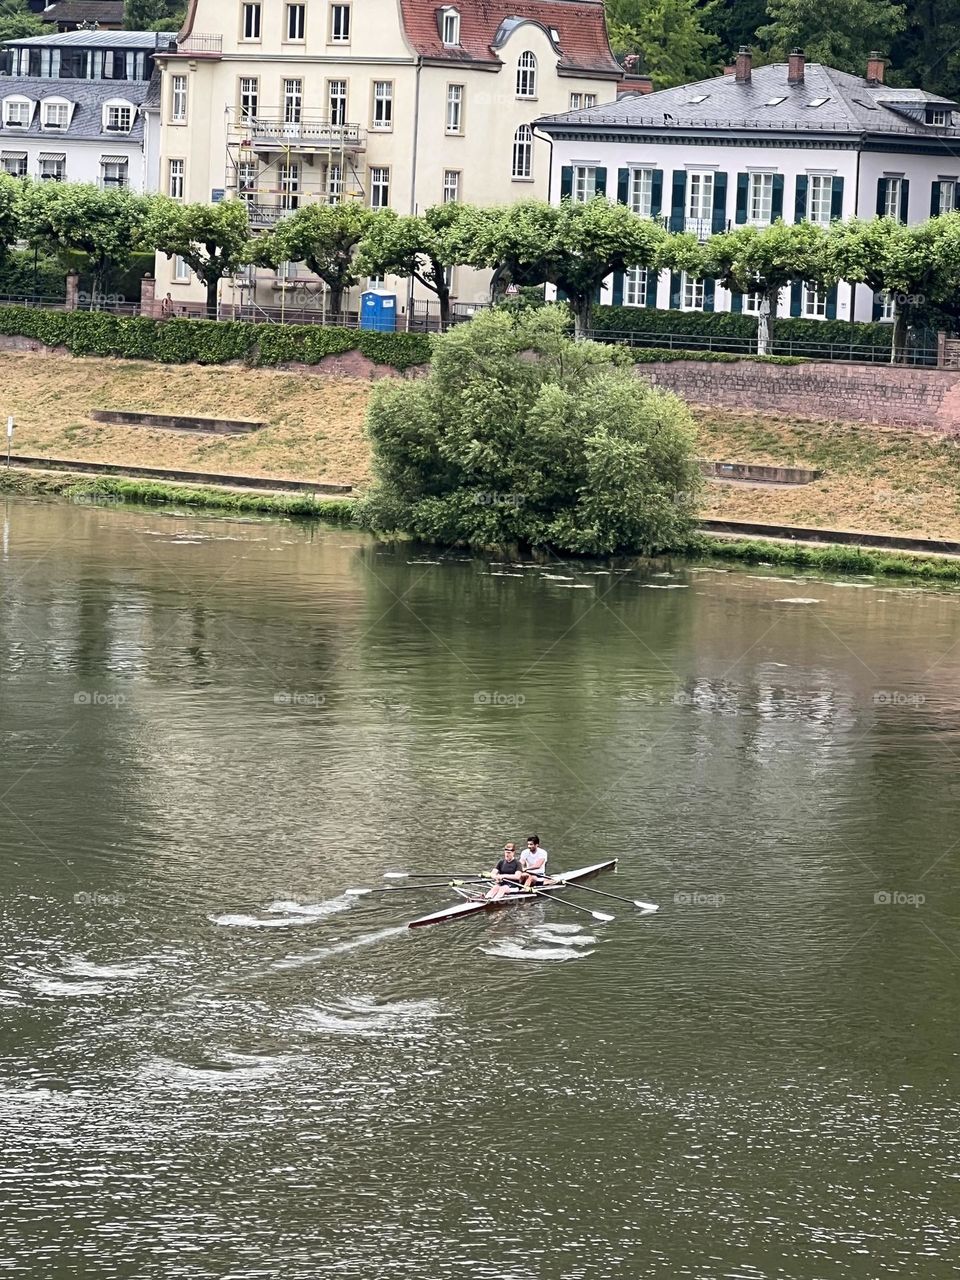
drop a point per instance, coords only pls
(378, 310)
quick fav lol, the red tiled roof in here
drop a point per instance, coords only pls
(579, 23)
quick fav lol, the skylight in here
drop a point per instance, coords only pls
(817, 102)
(774, 102)
(864, 102)
(699, 97)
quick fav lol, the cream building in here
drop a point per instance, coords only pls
(395, 103)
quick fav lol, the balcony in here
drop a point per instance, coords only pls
(309, 134)
(197, 46)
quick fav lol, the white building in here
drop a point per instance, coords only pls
(74, 107)
(399, 104)
(794, 141)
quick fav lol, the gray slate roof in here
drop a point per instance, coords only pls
(147, 40)
(89, 96)
(853, 106)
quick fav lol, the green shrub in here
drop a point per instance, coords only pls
(24, 274)
(726, 324)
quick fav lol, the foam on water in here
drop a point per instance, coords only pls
(285, 914)
(516, 951)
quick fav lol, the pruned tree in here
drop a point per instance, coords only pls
(325, 238)
(213, 239)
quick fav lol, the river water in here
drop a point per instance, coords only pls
(214, 1063)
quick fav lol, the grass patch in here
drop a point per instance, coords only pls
(831, 559)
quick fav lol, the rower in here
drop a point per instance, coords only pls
(506, 873)
(533, 864)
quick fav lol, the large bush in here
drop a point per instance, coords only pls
(622, 321)
(520, 435)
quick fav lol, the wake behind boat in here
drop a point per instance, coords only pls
(514, 897)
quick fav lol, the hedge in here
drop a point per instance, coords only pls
(175, 341)
(664, 355)
(725, 324)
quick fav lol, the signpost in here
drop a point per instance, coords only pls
(9, 435)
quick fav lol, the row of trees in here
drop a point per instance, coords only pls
(573, 247)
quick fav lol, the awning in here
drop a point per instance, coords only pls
(13, 155)
(53, 155)
(114, 159)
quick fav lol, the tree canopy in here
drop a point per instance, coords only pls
(109, 226)
(324, 237)
(213, 239)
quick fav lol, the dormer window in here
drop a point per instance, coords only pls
(56, 115)
(450, 27)
(17, 113)
(118, 117)
(938, 116)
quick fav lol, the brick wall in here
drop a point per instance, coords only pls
(882, 394)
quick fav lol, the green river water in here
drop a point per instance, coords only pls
(215, 1064)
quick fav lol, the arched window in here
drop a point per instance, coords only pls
(527, 76)
(523, 153)
(450, 26)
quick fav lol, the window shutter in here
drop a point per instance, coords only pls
(618, 287)
(674, 288)
(934, 199)
(566, 182)
(956, 195)
(836, 199)
(656, 193)
(709, 294)
(623, 186)
(743, 186)
(678, 197)
(719, 222)
(877, 306)
(904, 198)
(653, 279)
(800, 202)
(736, 302)
(796, 291)
(776, 203)
(881, 196)
(832, 303)
(600, 187)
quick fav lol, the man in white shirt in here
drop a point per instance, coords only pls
(533, 864)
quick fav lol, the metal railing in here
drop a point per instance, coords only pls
(916, 352)
(199, 45)
(317, 131)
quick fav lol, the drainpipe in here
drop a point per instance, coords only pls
(413, 176)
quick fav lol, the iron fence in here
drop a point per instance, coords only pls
(920, 349)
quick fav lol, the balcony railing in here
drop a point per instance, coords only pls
(316, 133)
(198, 46)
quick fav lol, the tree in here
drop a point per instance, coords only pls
(854, 29)
(926, 53)
(519, 435)
(668, 37)
(571, 245)
(154, 15)
(325, 237)
(107, 225)
(17, 22)
(11, 213)
(213, 239)
(424, 246)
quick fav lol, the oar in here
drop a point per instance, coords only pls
(633, 902)
(574, 906)
(426, 875)
(403, 888)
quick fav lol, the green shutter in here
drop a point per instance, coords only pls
(800, 200)
(796, 297)
(736, 302)
(934, 199)
(656, 193)
(600, 185)
(674, 290)
(653, 279)
(836, 199)
(743, 187)
(881, 196)
(904, 198)
(709, 294)
(623, 186)
(776, 204)
(678, 197)
(832, 303)
(877, 306)
(719, 220)
(566, 182)
(618, 288)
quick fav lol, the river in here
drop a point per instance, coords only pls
(216, 1064)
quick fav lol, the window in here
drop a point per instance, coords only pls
(383, 104)
(14, 163)
(938, 116)
(119, 119)
(584, 183)
(581, 101)
(752, 300)
(814, 303)
(635, 282)
(454, 108)
(296, 21)
(948, 195)
(379, 188)
(17, 113)
(181, 270)
(283, 272)
(250, 27)
(334, 184)
(249, 97)
(691, 293)
(522, 154)
(340, 23)
(891, 198)
(450, 27)
(337, 101)
(451, 186)
(817, 102)
(698, 98)
(175, 179)
(527, 76)
(640, 194)
(114, 171)
(53, 168)
(292, 101)
(247, 181)
(774, 102)
(888, 307)
(178, 99)
(760, 199)
(820, 198)
(288, 178)
(56, 115)
(699, 210)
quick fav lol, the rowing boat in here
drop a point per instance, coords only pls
(512, 899)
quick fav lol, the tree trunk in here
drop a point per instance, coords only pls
(581, 304)
(336, 299)
(899, 335)
(443, 297)
(213, 289)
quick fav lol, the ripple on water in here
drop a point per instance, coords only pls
(285, 915)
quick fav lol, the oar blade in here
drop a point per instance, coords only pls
(356, 893)
(396, 875)
(602, 915)
(646, 906)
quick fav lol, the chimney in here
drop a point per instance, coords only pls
(875, 68)
(743, 65)
(795, 67)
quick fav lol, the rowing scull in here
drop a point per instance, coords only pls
(462, 909)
